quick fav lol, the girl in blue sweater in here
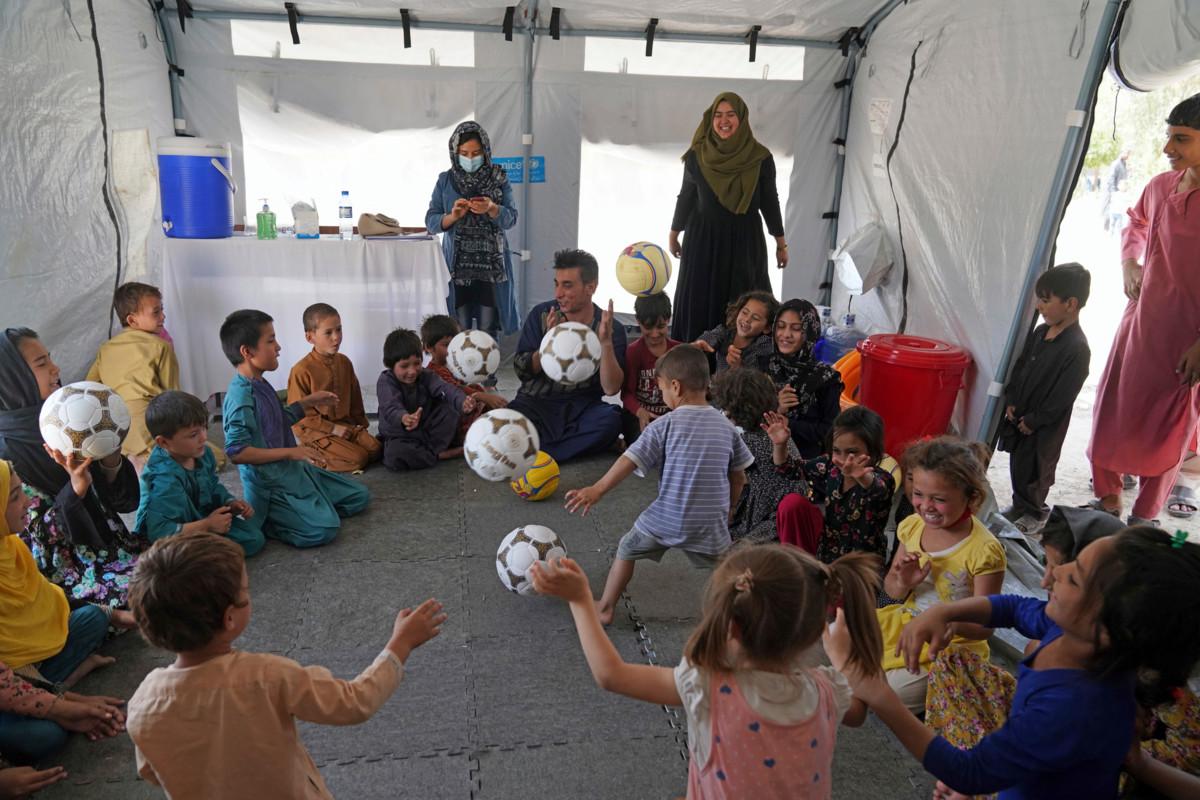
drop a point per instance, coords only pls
(1120, 627)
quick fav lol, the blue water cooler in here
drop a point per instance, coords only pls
(195, 177)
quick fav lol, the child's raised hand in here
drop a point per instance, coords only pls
(220, 520)
(857, 467)
(416, 626)
(909, 572)
(776, 427)
(77, 467)
(703, 345)
(582, 499)
(836, 639)
(411, 421)
(469, 404)
(562, 577)
(241, 508)
(733, 356)
(322, 398)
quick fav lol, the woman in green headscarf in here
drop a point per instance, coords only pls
(728, 181)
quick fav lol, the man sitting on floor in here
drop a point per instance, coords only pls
(571, 421)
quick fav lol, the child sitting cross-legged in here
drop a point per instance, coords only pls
(181, 492)
(220, 722)
(294, 500)
(703, 462)
(640, 395)
(746, 395)
(436, 332)
(762, 716)
(857, 494)
(418, 411)
(337, 429)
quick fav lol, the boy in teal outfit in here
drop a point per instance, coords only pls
(296, 501)
(180, 488)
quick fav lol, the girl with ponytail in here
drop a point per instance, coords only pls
(762, 715)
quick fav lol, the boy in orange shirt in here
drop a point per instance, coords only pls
(339, 430)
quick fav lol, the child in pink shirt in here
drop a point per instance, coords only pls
(762, 715)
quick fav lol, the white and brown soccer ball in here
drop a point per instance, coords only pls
(520, 550)
(473, 356)
(86, 418)
(570, 353)
(501, 445)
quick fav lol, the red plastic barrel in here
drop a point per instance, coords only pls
(911, 382)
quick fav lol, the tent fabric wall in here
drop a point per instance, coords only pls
(58, 242)
(1159, 44)
(986, 119)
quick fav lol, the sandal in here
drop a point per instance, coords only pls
(1127, 482)
(1182, 502)
(1140, 521)
(1096, 505)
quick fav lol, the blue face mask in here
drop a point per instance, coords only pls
(470, 164)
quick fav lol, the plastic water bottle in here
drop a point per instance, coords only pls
(345, 216)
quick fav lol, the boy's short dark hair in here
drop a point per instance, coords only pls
(399, 345)
(652, 309)
(172, 411)
(744, 395)
(436, 327)
(127, 299)
(1064, 282)
(182, 586)
(317, 312)
(686, 364)
(589, 270)
(242, 329)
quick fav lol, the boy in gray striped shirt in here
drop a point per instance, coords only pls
(703, 461)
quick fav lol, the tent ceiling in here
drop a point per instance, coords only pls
(813, 19)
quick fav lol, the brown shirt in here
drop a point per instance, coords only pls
(227, 727)
(335, 373)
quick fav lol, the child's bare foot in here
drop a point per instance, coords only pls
(93, 662)
(453, 452)
(605, 612)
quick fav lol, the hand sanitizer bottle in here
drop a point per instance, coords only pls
(266, 222)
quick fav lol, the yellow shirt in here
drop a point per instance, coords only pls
(227, 727)
(951, 578)
(138, 366)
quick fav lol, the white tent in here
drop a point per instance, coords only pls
(958, 127)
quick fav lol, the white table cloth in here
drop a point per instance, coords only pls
(376, 286)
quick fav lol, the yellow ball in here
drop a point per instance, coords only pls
(643, 268)
(540, 481)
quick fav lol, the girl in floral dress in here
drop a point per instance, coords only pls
(856, 493)
(75, 532)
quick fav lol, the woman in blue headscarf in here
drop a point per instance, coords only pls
(472, 205)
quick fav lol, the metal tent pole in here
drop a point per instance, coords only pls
(527, 169)
(179, 123)
(1072, 153)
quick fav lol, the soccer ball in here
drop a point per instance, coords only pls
(86, 419)
(518, 552)
(643, 268)
(473, 356)
(540, 481)
(570, 353)
(501, 445)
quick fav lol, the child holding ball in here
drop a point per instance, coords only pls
(220, 722)
(762, 721)
(703, 462)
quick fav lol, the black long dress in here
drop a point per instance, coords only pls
(724, 254)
